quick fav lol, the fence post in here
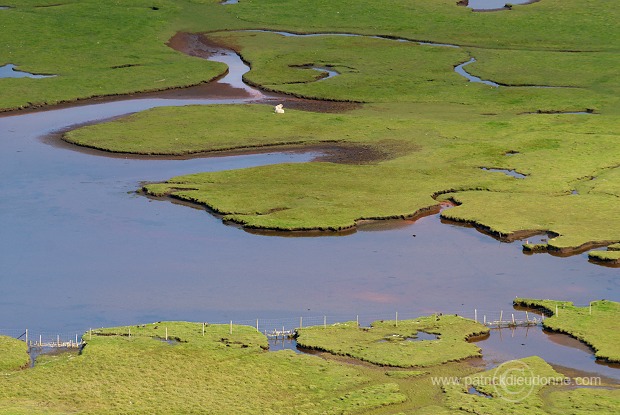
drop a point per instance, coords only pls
(324, 321)
(130, 332)
(301, 325)
(476, 315)
(397, 319)
(230, 331)
(590, 307)
(357, 320)
(26, 336)
(90, 334)
(166, 333)
(556, 309)
(203, 329)
(257, 326)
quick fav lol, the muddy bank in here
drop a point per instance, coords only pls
(526, 233)
(565, 251)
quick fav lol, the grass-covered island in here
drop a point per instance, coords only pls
(398, 343)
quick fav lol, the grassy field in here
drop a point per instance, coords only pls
(392, 343)
(598, 328)
(95, 48)
(141, 374)
(132, 369)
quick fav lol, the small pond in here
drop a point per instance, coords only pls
(511, 173)
(492, 4)
(9, 71)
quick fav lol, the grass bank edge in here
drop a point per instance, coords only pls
(595, 325)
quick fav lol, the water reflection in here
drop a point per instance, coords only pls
(556, 349)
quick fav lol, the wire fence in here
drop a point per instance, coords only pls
(287, 327)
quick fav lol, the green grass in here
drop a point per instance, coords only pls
(434, 128)
(599, 329)
(531, 396)
(550, 24)
(609, 256)
(132, 370)
(386, 343)
(13, 354)
(217, 373)
(195, 129)
(429, 150)
(95, 48)
(383, 70)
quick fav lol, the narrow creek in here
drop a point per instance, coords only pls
(81, 249)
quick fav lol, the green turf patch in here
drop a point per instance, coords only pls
(13, 354)
(393, 344)
(609, 257)
(595, 325)
(526, 386)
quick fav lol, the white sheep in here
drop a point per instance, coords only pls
(279, 109)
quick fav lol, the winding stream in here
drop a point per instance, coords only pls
(80, 249)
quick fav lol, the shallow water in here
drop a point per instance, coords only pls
(330, 72)
(9, 71)
(557, 349)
